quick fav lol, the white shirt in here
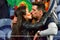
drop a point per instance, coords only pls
(52, 30)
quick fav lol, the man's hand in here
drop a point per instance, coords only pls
(36, 35)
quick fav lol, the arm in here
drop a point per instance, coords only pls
(52, 30)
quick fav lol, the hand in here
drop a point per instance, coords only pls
(36, 35)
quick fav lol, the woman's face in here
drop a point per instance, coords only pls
(28, 14)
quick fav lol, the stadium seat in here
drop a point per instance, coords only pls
(57, 37)
(2, 35)
(9, 34)
(7, 30)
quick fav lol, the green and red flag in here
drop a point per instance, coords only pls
(17, 3)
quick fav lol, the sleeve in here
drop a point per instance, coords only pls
(52, 30)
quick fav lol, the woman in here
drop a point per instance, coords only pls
(17, 29)
(19, 32)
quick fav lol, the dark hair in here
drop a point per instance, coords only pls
(17, 28)
(20, 11)
(40, 5)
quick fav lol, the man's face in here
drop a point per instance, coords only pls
(36, 13)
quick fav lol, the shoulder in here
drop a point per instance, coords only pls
(49, 20)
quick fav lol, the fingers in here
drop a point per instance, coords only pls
(35, 37)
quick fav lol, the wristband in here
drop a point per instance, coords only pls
(38, 33)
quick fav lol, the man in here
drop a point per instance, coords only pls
(45, 30)
(50, 28)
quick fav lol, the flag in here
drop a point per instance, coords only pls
(17, 3)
